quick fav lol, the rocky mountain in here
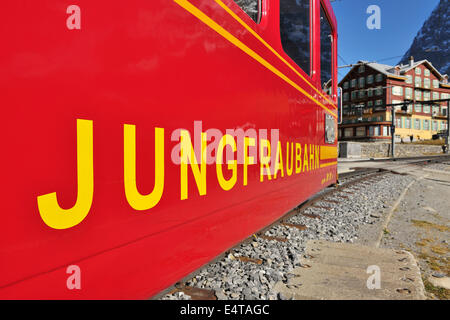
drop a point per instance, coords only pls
(433, 40)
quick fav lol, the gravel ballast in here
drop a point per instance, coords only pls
(361, 204)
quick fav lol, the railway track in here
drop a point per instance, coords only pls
(245, 263)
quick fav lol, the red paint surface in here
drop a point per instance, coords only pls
(152, 64)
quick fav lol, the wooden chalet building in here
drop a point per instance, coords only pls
(369, 87)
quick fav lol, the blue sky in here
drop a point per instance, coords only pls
(400, 22)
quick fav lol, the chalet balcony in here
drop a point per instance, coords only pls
(408, 112)
(439, 115)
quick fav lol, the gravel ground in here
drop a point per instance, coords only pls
(363, 204)
(440, 166)
(421, 225)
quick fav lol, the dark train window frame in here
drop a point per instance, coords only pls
(310, 70)
(333, 44)
(255, 18)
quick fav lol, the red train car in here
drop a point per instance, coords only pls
(143, 139)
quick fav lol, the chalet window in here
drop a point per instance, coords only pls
(418, 95)
(408, 93)
(345, 96)
(426, 83)
(427, 73)
(370, 79)
(426, 108)
(426, 96)
(398, 91)
(426, 125)
(251, 7)
(353, 84)
(436, 84)
(370, 92)
(418, 71)
(409, 79)
(361, 69)
(434, 126)
(354, 95)
(379, 77)
(376, 131)
(379, 91)
(417, 107)
(418, 81)
(362, 94)
(348, 132)
(295, 31)
(362, 82)
(417, 124)
(361, 131)
(435, 110)
(346, 85)
(435, 95)
(370, 103)
(326, 50)
(408, 123)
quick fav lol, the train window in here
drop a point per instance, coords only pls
(295, 31)
(326, 49)
(251, 7)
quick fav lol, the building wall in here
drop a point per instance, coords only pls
(383, 150)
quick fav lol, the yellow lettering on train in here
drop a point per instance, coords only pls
(289, 167)
(188, 156)
(136, 200)
(51, 213)
(264, 159)
(248, 142)
(298, 158)
(232, 164)
(317, 148)
(305, 159)
(278, 161)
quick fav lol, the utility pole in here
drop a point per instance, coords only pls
(448, 126)
(393, 132)
(388, 87)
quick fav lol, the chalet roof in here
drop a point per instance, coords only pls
(406, 68)
(382, 68)
(388, 70)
